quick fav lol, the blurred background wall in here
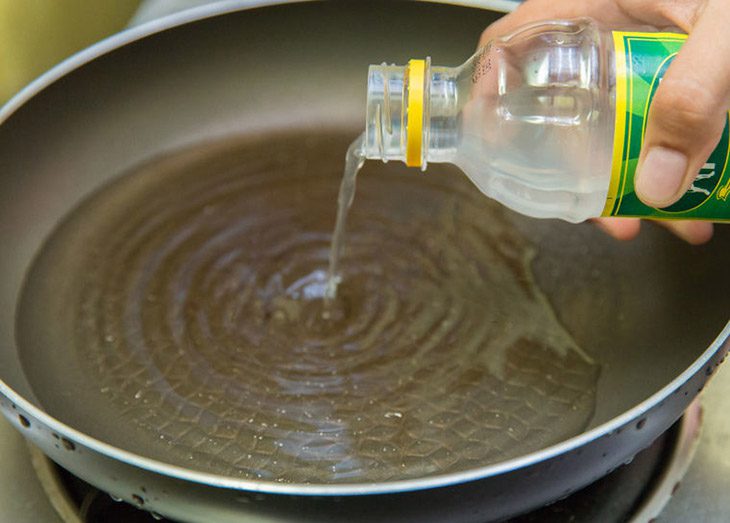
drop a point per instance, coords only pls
(36, 34)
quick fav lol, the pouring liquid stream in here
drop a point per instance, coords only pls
(353, 163)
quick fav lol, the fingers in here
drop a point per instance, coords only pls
(694, 233)
(689, 111)
(664, 13)
(619, 228)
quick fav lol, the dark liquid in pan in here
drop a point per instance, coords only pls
(192, 290)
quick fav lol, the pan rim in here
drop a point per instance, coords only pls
(213, 480)
(354, 489)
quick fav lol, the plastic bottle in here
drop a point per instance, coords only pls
(548, 120)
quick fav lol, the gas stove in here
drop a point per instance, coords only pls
(683, 476)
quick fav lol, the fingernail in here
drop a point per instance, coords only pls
(660, 176)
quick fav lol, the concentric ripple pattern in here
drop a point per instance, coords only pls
(193, 289)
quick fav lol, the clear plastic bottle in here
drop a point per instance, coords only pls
(530, 118)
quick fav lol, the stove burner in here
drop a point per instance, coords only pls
(635, 492)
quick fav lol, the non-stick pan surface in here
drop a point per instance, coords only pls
(650, 312)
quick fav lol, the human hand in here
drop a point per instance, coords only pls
(688, 112)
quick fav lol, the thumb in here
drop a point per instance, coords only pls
(688, 112)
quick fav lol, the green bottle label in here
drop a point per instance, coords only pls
(641, 61)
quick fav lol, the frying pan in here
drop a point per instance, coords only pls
(652, 312)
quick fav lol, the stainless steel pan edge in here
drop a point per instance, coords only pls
(487, 493)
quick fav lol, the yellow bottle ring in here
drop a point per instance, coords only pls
(414, 123)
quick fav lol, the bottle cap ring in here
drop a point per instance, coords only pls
(414, 124)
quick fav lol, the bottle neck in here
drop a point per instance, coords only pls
(412, 113)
